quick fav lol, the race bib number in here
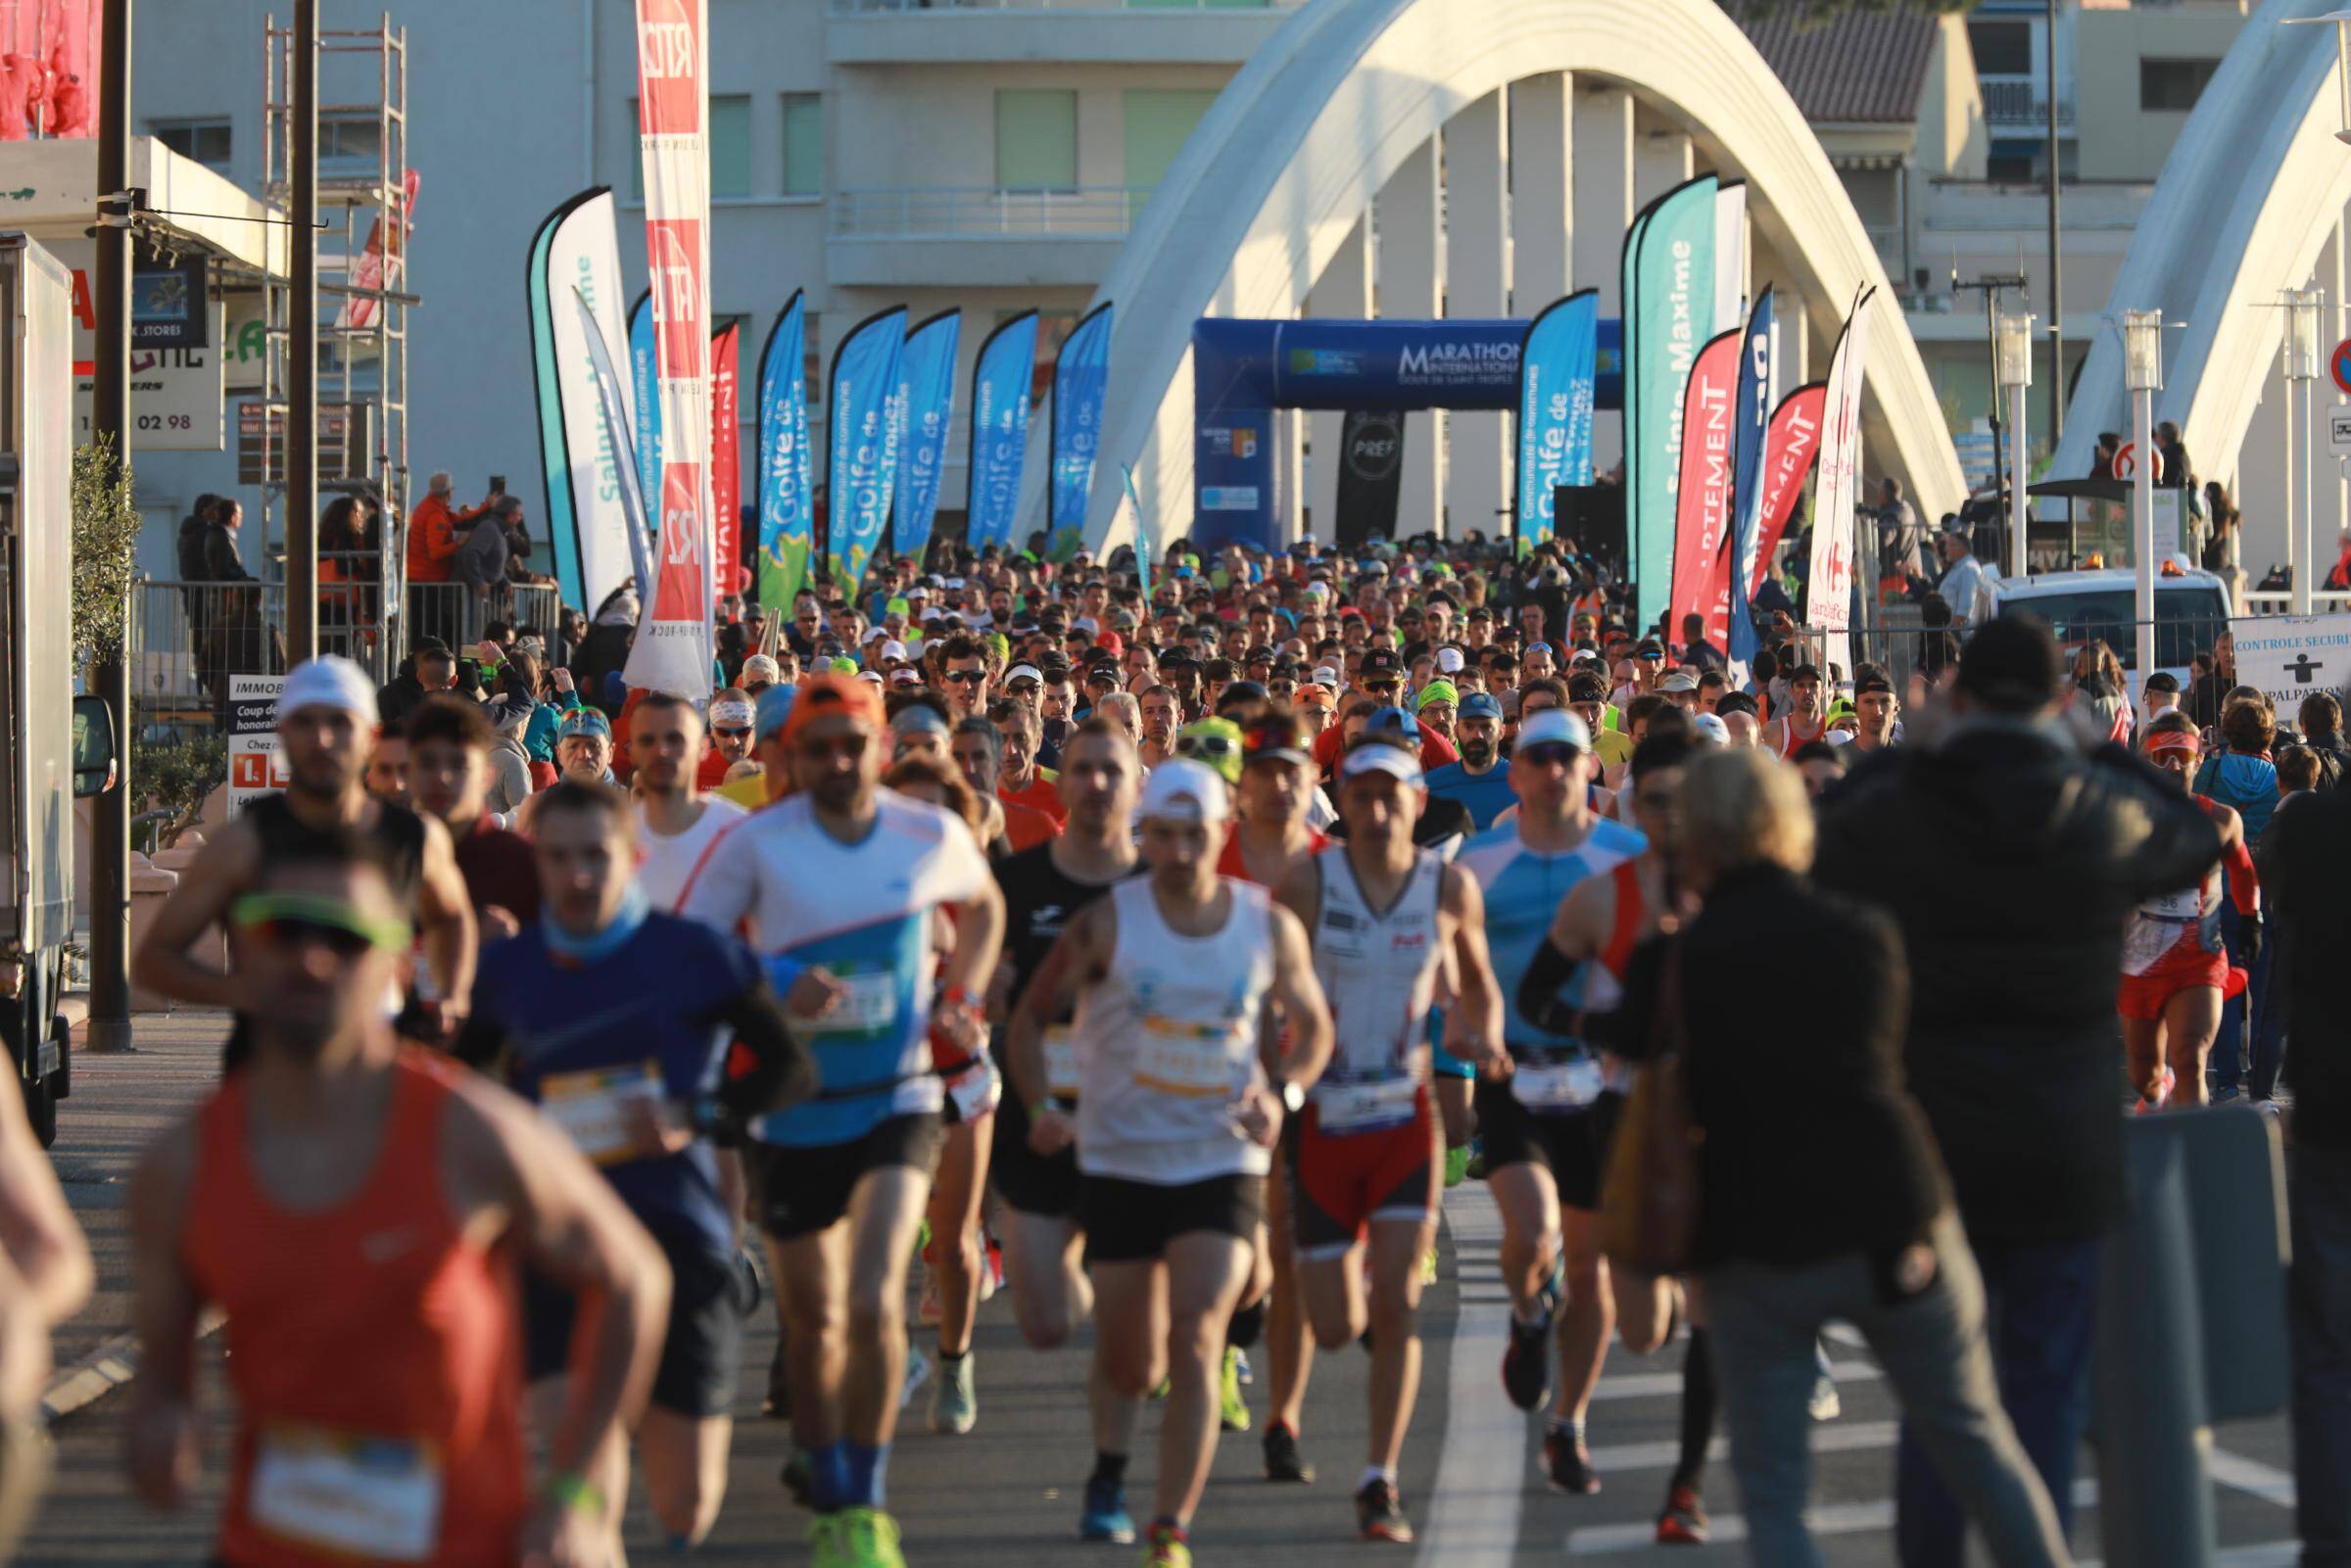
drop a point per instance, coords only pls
(1062, 1078)
(865, 1004)
(376, 1499)
(978, 1089)
(596, 1108)
(1348, 1108)
(1186, 1061)
(1554, 1088)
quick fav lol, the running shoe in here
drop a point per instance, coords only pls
(929, 1312)
(1106, 1517)
(1379, 1513)
(1241, 1367)
(918, 1367)
(824, 1541)
(1232, 1409)
(1163, 1547)
(799, 1479)
(954, 1397)
(1526, 1365)
(1284, 1462)
(1428, 1266)
(1825, 1405)
(991, 1271)
(1457, 1166)
(1568, 1462)
(867, 1538)
(1684, 1521)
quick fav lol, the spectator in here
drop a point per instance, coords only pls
(2220, 543)
(431, 668)
(1697, 652)
(2302, 861)
(2173, 469)
(1962, 584)
(605, 650)
(434, 529)
(2211, 686)
(2244, 777)
(222, 562)
(2009, 860)
(2101, 460)
(2322, 721)
(1853, 1220)
(1900, 534)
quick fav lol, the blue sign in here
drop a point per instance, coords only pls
(863, 451)
(927, 392)
(1556, 371)
(1751, 415)
(787, 497)
(644, 376)
(1244, 370)
(1000, 382)
(1080, 383)
(2341, 364)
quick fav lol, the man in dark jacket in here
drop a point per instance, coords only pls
(2010, 858)
(2301, 859)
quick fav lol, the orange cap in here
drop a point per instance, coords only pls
(822, 696)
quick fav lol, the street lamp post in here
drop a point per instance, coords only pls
(2303, 313)
(2012, 355)
(2142, 375)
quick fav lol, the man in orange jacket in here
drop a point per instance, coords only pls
(433, 530)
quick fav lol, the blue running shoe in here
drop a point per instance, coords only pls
(1106, 1517)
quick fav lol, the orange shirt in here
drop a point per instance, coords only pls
(1040, 794)
(1026, 826)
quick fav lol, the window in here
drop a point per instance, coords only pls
(1036, 140)
(2172, 84)
(803, 144)
(205, 141)
(1157, 120)
(350, 149)
(730, 147)
(812, 357)
(2001, 48)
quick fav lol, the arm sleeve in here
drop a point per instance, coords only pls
(1539, 1001)
(1629, 1029)
(2244, 882)
(768, 1068)
(483, 1043)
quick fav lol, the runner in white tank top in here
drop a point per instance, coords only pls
(666, 862)
(1177, 1119)
(1394, 927)
(675, 822)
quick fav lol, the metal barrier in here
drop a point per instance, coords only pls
(2323, 602)
(187, 638)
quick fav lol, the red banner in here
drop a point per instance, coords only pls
(1789, 447)
(726, 461)
(1702, 500)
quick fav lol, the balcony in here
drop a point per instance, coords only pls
(2019, 102)
(879, 32)
(917, 235)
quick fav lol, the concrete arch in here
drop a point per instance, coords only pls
(1298, 145)
(2251, 193)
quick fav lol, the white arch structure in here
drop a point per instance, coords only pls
(2252, 191)
(1293, 153)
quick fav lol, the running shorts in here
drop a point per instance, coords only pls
(799, 1192)
(1568, 1146)
(2184, 968)
(1134, 1221)
(703, 1349)
(1025, 1179)
(1340, 1183)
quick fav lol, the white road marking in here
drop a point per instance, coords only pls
(1832, 1519)
(1481, 1484)
(1654, 1385)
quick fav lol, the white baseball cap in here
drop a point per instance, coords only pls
(1555, 726)
(1378, 756)
(1448, 660)
(1180, 789)
(1711, 728)
(329, 681)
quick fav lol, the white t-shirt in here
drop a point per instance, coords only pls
(666, 861)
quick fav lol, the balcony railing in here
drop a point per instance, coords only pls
(1104, 212)
(868, 8)
(2019, 100)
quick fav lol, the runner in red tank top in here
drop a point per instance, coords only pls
(350, 1207)
(1805, 720)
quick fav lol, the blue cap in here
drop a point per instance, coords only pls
(775, 706)
(584, 721)
(1479, 705)
(1395, 718)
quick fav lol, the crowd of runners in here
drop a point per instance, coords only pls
(1157, 948)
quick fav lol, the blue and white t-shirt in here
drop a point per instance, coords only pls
(863, 913)
(1523, 889)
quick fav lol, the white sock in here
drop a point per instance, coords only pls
(1375, 1472)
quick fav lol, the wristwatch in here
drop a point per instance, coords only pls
(1293, 1095)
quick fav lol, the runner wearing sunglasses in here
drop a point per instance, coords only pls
(355, 1209)
(851, 879)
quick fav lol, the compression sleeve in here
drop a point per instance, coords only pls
(768, 1068)
(2245, 885)
(1539, 992)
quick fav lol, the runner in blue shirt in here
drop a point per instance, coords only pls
(615, 1019)
(1480, 781)
(1542, 1142)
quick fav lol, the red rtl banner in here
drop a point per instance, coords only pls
(726, 461)
(1702, 500)
(1790, 445)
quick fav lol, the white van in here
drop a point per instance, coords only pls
(2191, 611)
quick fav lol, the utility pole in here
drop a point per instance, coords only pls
(2056, 280)
(110, 419)
(1991, 288)
(302, 370)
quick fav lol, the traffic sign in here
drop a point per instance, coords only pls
(2339, 364)
(2126, 460)
(2338, 432)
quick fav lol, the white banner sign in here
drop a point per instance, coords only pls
(177, 399)
(2292, 656)
(256, 765)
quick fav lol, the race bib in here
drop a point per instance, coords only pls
(978, 1089)
(377, 1499)
(865, 1004)
(2146, 938)
(1185, 1060)
(1062, 1080)
(1554, 1088)
(1348, 1108)
(593, 1106)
